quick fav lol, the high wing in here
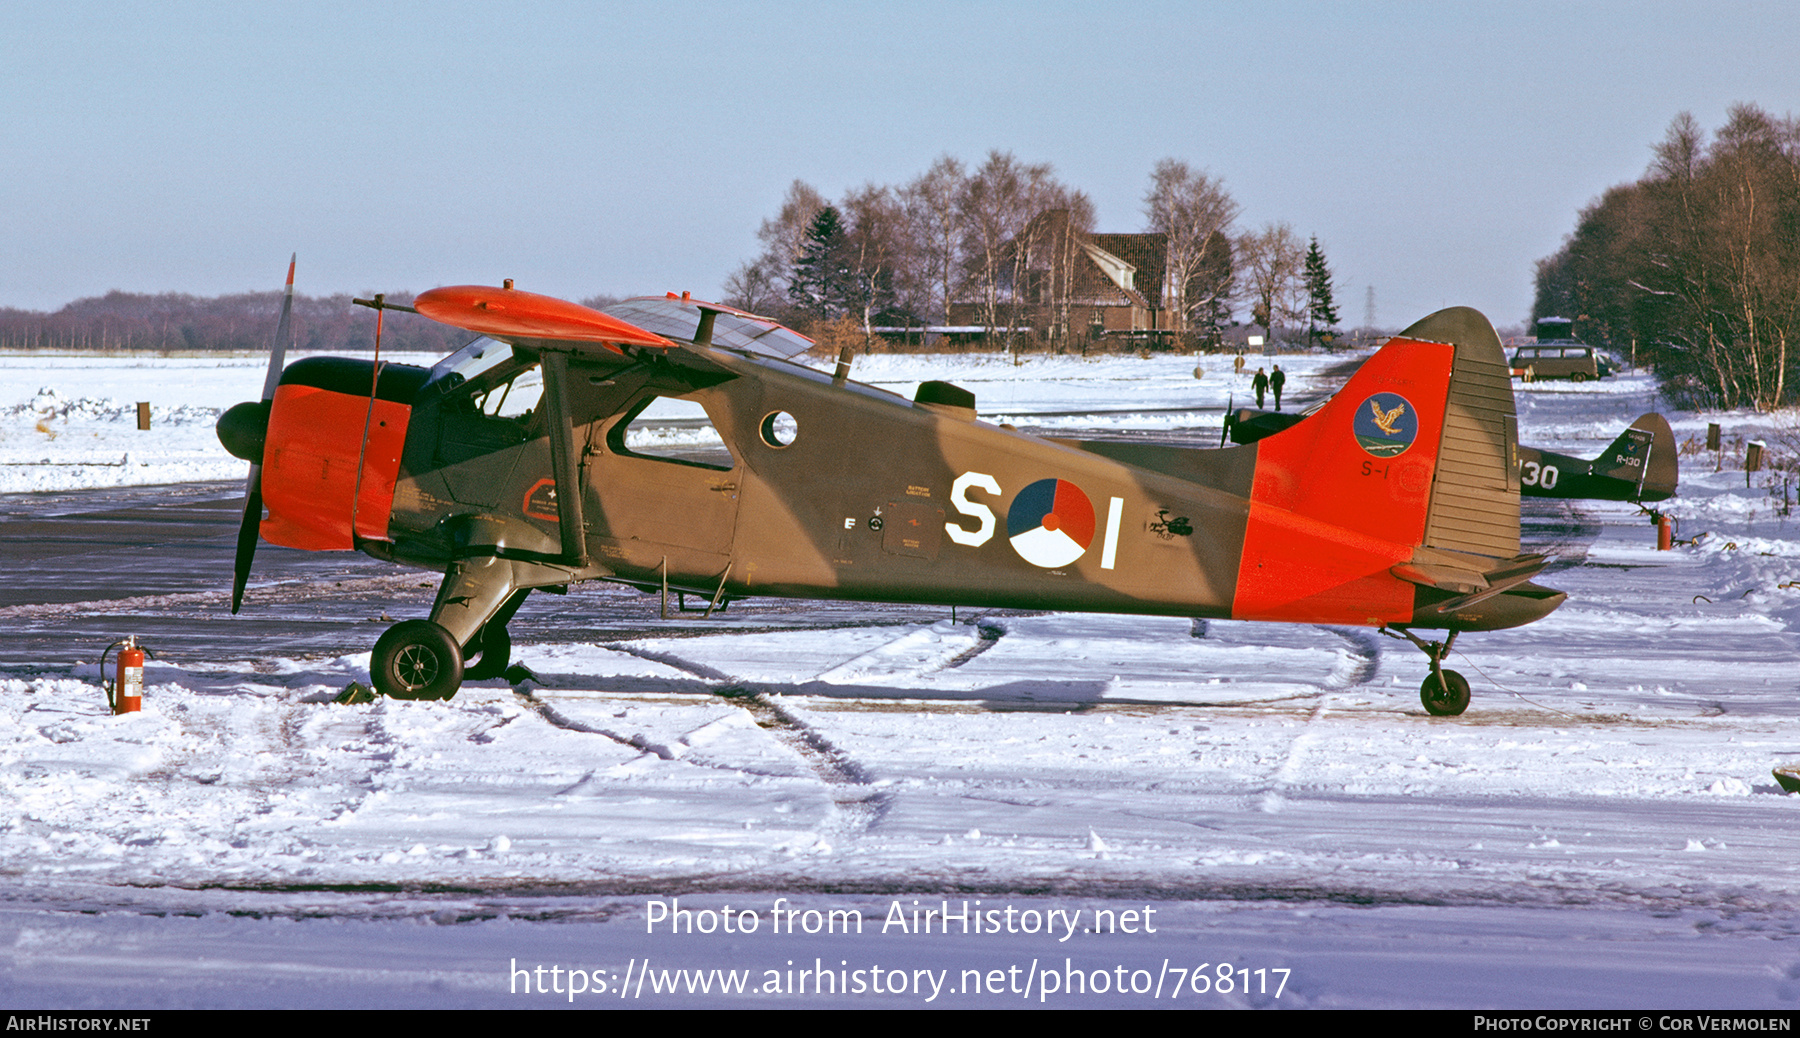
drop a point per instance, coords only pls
(529, 320)
(711, 324)
(533, 321)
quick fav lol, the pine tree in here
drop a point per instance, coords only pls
(821, 281)
(1321, 310)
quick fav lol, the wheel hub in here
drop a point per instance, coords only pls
(417, 666)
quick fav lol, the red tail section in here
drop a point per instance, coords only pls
(1343, 496)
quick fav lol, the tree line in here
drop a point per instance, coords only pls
(993, 243)
(175, 321)
(1696, 265)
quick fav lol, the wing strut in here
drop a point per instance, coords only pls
(563, 467)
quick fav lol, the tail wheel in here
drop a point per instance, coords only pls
(496, 654)
(416, 659)
(1447, 697)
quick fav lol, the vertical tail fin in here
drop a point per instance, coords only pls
(1644, 455)
(1419, 449)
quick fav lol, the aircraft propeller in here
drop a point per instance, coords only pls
(242, 429)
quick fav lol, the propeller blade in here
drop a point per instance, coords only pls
(248, 532)
(250, 527)
(278, 350)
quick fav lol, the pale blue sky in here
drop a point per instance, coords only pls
(1436, 149)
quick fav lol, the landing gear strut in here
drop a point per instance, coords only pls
(493, 642)
(1445, 693)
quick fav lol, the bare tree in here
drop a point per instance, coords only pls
(1002, 236)
(1196, 212)
(874, 243)
(784, 236)
(1043, 268)
(1698, 262)
(991, 209)
(931, 271)
(1273, 262)
(757, 286)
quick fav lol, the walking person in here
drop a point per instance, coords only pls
(1276, 381)
(1261, 384)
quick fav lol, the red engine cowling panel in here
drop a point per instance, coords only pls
(311, 459)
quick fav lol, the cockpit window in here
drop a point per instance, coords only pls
(471, 361)
(516, 397)
(492, 378)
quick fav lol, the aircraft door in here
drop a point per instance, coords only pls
(666, 479)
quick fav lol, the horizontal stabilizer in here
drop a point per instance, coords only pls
(1512, 573)
(1465, 574)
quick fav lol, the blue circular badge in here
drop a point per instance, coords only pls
(1385, 424)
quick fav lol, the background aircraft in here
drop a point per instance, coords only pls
(1641, 465)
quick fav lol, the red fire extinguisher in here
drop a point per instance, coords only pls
(125, 693)
(1665, 529)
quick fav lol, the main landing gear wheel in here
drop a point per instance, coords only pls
(1445, 693)
(495, 646)
(417, 659)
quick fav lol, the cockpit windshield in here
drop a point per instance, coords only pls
(492, 378)
(472, 360)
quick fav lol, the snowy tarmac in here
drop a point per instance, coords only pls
(1599, 830)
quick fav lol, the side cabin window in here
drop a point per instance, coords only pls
(666, 428)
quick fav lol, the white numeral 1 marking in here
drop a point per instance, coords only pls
(1110, 553)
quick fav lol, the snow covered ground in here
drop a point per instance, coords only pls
(1254, 814)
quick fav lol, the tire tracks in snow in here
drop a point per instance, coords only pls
(859, 804)
(1356, 667)
(637, 741)
(1361, 664)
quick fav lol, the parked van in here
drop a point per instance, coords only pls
(1570, 360)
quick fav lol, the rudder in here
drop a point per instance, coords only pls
(1475, 494)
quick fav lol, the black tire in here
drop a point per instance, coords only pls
(495, 645)
(1578, 377)
(416, 659)
(1447, 701)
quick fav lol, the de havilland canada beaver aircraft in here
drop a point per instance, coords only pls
(518, 463)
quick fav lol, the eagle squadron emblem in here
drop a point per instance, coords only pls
(1385, 425)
